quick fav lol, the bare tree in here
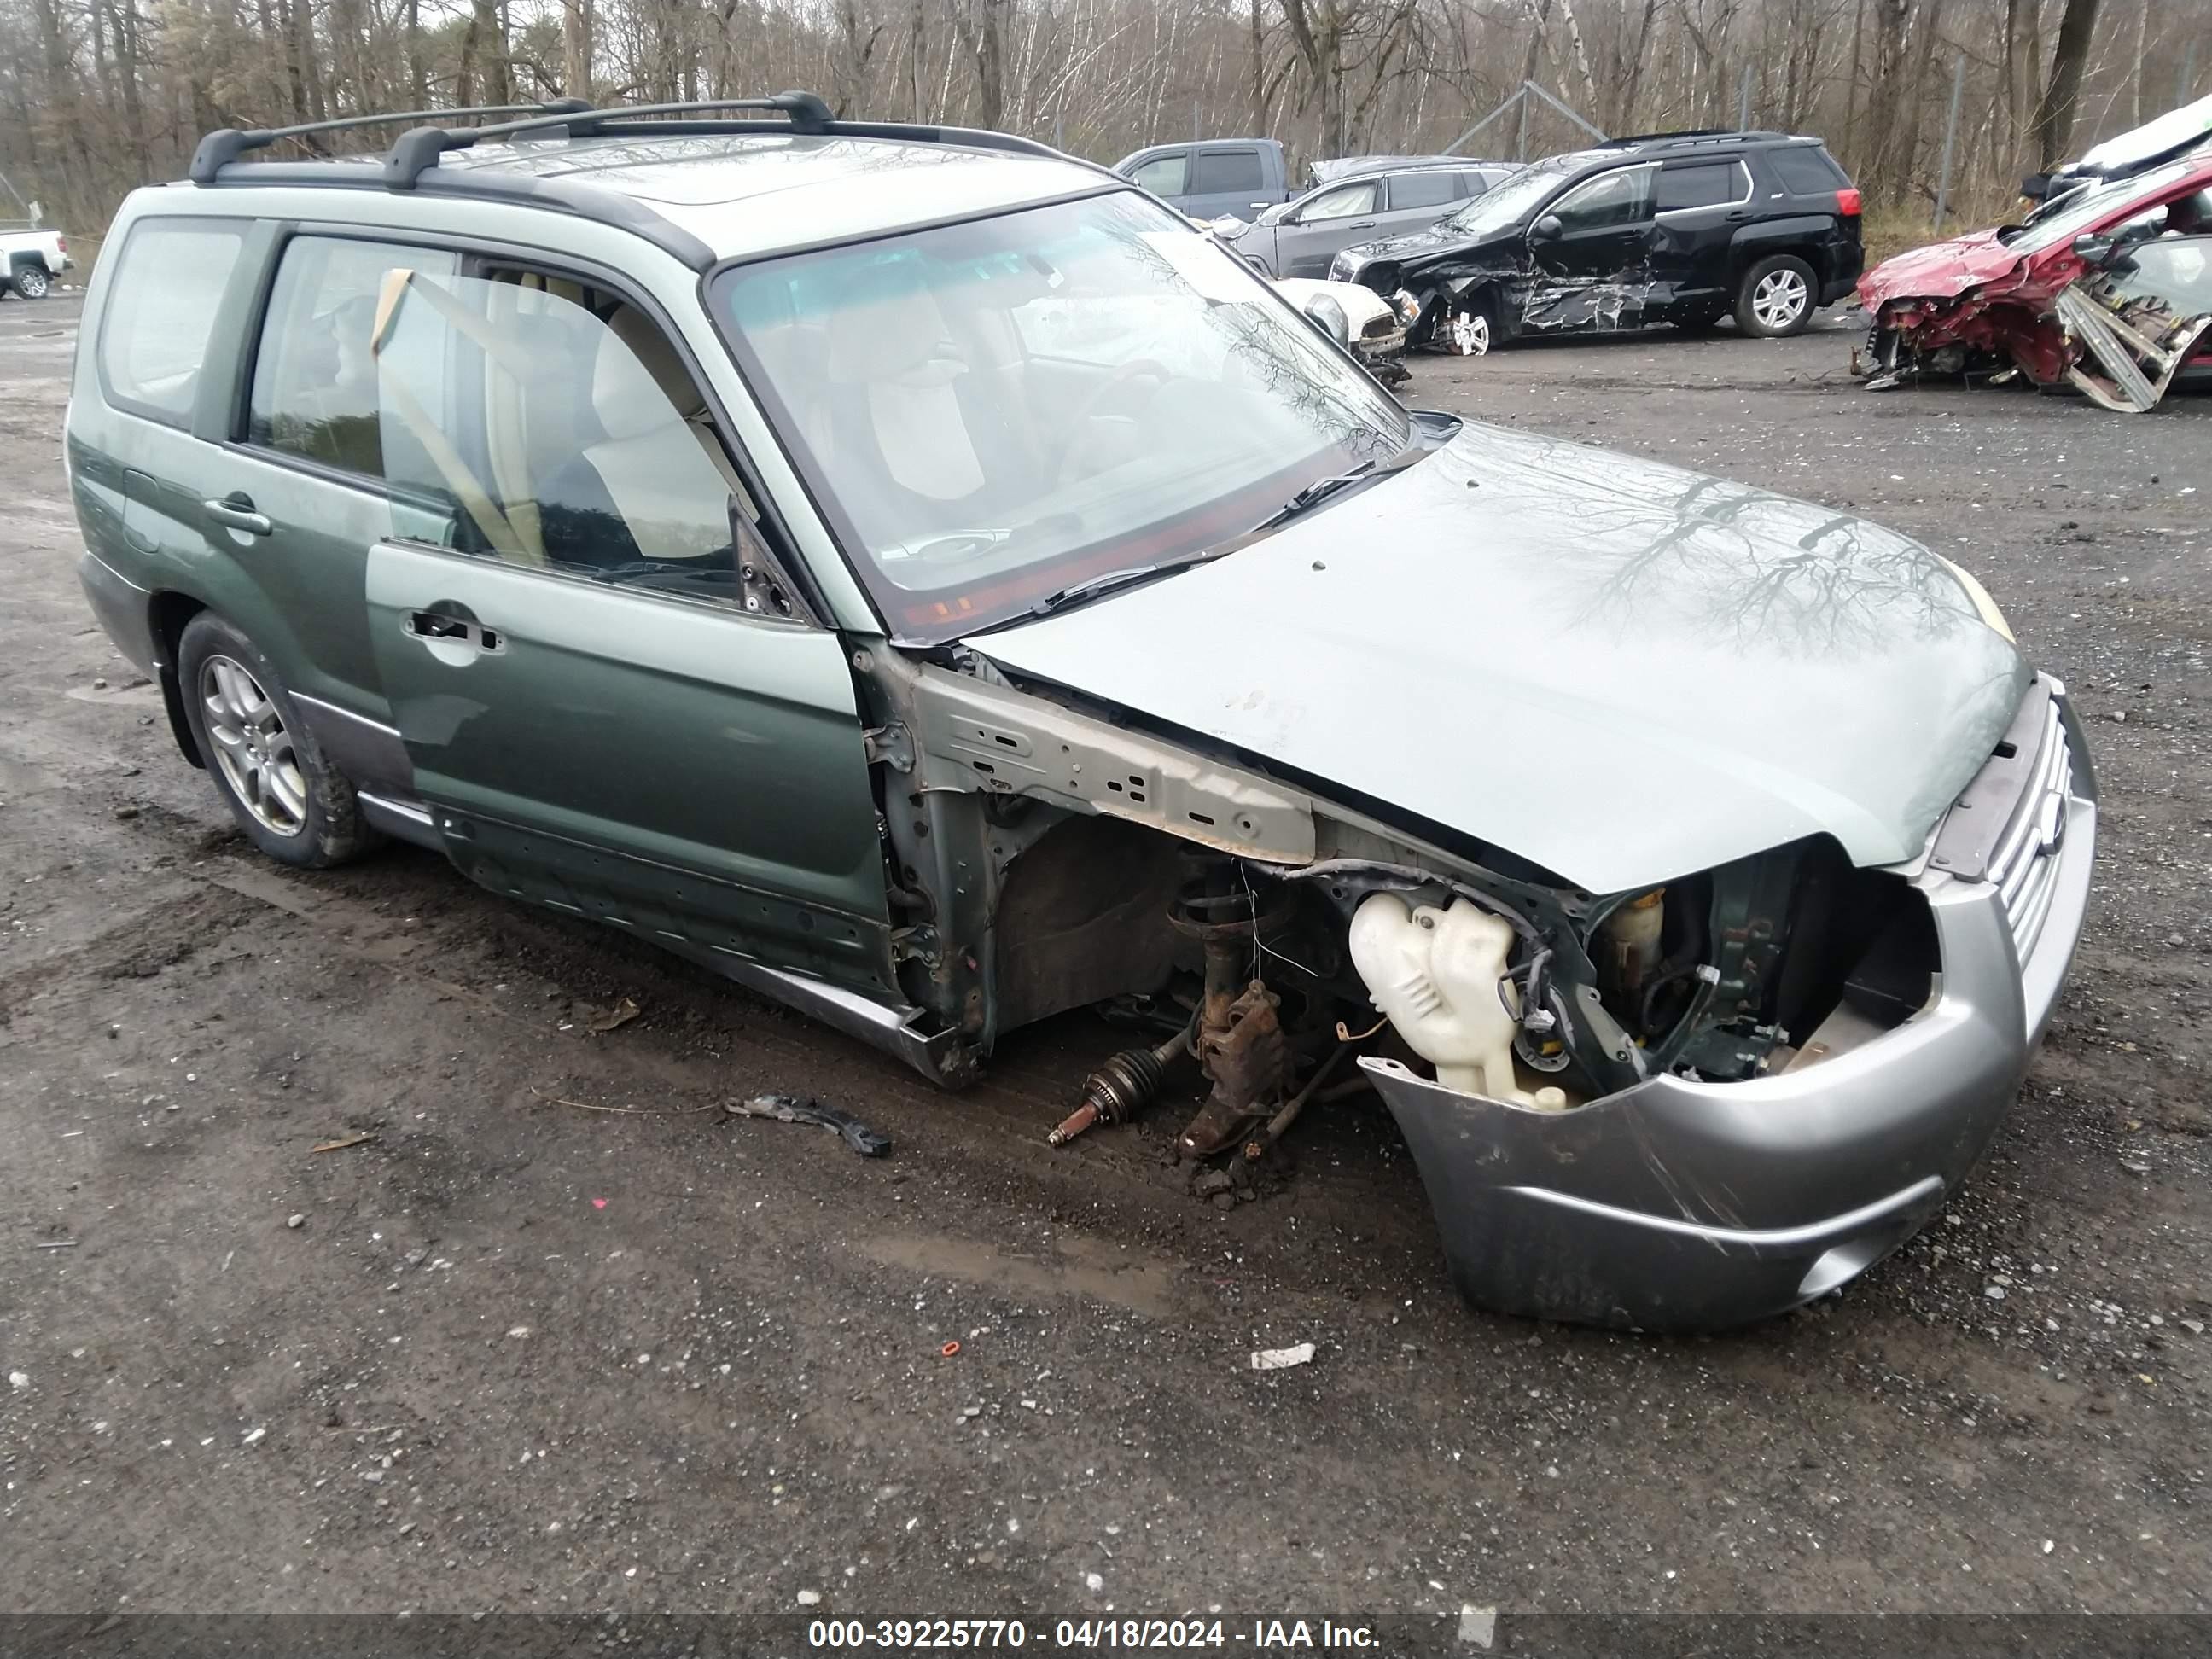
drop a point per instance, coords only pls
(99, 96)
(2054, 112)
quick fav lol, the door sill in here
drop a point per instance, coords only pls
(402, 820)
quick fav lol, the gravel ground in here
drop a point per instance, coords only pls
(509, 1353)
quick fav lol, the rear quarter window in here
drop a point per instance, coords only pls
(1807, 170)
(169, 280)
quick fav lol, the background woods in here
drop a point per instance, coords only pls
(97, 95)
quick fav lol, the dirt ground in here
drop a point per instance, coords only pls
(518, 1354)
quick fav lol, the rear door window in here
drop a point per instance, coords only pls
(1703, 184)
(1409, 190)
(1222, 170)
(315, 375)
(170, 279)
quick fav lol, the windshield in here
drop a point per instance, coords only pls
(1504, 206)
(992, 411)
(2078, 210)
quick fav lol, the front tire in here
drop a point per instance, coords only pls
(1469, 330)
(30, 280)
(1776, 297)
(288, 797)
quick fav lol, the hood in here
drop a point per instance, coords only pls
(1941, 270)
(1419, 244)
(1620, 671)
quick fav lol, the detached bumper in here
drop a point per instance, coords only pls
(1381, 345)
(1678, 1204)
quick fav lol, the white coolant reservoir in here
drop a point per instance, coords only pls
(1435, 972)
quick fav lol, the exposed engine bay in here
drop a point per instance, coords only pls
(1049, 856)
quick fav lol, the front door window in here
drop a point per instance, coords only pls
(563, 430)
(1610, 200)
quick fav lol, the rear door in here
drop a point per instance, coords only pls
(1699, 207)
(300, 482)
(1230, 178)
(1417, 200)
(1333, 219)
(1595, 268)
(608, 708)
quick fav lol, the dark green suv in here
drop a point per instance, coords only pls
(920, 576)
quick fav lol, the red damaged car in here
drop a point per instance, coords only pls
(2106, 288)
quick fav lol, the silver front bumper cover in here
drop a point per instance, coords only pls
(1679, 1205)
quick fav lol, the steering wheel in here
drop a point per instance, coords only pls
(1140, 368)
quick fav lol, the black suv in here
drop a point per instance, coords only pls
(1675, 227)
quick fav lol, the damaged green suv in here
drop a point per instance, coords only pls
(919, 577)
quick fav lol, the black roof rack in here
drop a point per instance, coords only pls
(227, 144)
(806, 113)
(418, 150)
(413, 152)
(1691, 135)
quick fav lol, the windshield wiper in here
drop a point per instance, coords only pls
(1322, 489)
(1107, 582)
(1315, 493)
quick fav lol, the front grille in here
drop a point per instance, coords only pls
(2024, 867)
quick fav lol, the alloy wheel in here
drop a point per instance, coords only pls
(31, 282)
(253, 747)
(1779, 300)
(1470, 333)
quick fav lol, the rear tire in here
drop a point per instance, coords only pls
(31, 281)
(1776, 297)
(288, 797)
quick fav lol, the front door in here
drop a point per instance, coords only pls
(307, 463)
(1332, 221)
(1592, 255)
(600, 714)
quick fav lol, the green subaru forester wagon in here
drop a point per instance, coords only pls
(919, 575)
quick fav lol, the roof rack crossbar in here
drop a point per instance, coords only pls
(420, 148)
(219, 148)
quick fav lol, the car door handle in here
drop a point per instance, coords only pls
(454, 640)
(1361, 224)
(236, 511)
